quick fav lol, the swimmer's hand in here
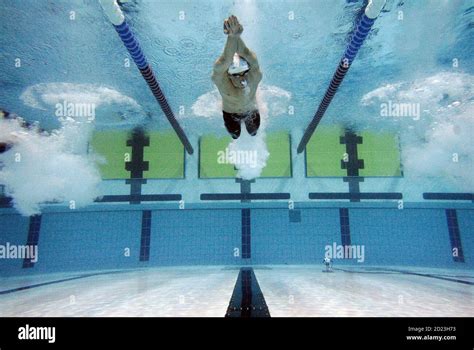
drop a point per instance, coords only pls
(232, 26)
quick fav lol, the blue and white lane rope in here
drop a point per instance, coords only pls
(115, 15)
(362, 30)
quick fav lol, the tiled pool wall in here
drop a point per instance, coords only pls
(116, 239)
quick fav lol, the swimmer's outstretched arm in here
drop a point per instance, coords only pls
(233, 29)
(254, 74)
(248, 54)
(225, 60)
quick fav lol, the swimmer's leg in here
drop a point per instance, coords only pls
(252, 123)
(232, 125)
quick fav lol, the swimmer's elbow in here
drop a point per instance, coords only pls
(220, 66)
(257, 74)
(251, 58)
(215, 77)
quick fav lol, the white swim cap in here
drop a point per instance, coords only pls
(238, 65)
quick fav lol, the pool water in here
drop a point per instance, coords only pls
(127, 222)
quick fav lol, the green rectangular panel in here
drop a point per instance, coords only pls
(381, 154)
(165, 156)
(324, 152)
(210, 164)
(112, 146)
(379, 151)
(279, 161)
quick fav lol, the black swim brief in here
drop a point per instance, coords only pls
(232, 122)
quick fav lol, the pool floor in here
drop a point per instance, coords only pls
(206, 291)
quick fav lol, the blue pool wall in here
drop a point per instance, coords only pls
(112, 239)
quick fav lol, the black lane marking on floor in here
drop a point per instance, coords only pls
(245, 188)
(403, 272)
(19, 289)
(246, 234)
(140, 198)
(454, 235)
(242, 196)
(145, 236)
(247, 299)
(32, 240)
(345, 229)
(449, 196)
(353, 163)
(358, 196)
(137, 165)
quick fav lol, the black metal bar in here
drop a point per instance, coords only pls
(344, 195)
(449, 196)
(243, 196)
(142, 198)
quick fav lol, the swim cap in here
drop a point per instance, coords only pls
(238, 65)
